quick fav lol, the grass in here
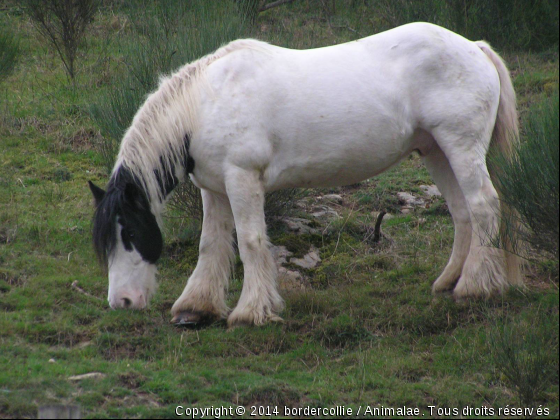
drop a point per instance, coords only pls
(365, 331)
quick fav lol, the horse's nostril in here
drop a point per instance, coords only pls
(127, 303)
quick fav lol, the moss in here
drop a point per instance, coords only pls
(299, 245)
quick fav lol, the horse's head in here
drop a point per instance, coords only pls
(127, 239)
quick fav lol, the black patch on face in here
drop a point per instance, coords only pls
(126, 203)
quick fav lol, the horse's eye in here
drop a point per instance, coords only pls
(131, 235)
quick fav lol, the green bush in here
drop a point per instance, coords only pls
(9, 50)
(529, 182)
(525, 354)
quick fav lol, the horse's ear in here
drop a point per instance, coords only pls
(97, 192)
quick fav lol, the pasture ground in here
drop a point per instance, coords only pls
(365, 331)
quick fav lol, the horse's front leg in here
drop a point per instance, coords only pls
(204, 296)
(260, 301)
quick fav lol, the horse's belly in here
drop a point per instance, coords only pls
(326, 165)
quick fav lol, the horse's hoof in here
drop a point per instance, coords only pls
(191, 319)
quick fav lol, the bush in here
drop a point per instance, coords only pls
(9, 50)
(529, 182)
(63, 23)
(525, 354)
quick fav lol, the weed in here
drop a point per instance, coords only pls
(525, 354)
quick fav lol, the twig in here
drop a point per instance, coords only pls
(377, 231)
(82, 291)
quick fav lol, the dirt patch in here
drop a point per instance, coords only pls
(83, 140)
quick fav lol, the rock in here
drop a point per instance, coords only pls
(280, 254)
(409, 202)
(431, 190)
(309, 260)
(52, 361)
(290, 279)
(324, 212)
(333, 198)
(298, 225)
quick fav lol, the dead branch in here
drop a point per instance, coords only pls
(82, 291)
(377, 231)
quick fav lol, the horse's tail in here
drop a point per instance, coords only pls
(504, 139)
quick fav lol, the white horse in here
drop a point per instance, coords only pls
(253, 117)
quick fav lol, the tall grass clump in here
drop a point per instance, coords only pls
(9, 51)
(529, 181)
(507, 24)
(524, 353)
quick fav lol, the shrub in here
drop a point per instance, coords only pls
(529, 182)
(9, 50)
(525, 354)
(63, 23)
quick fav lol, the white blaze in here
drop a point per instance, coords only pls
(132, 281)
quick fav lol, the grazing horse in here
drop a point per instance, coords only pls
(252, 118)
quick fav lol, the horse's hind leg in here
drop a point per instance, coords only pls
(260, 301)
(204, 296)
(484, 270)
(443, 175)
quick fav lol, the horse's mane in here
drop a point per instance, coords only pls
(158, 139)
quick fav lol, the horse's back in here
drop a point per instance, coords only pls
(410, 62)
